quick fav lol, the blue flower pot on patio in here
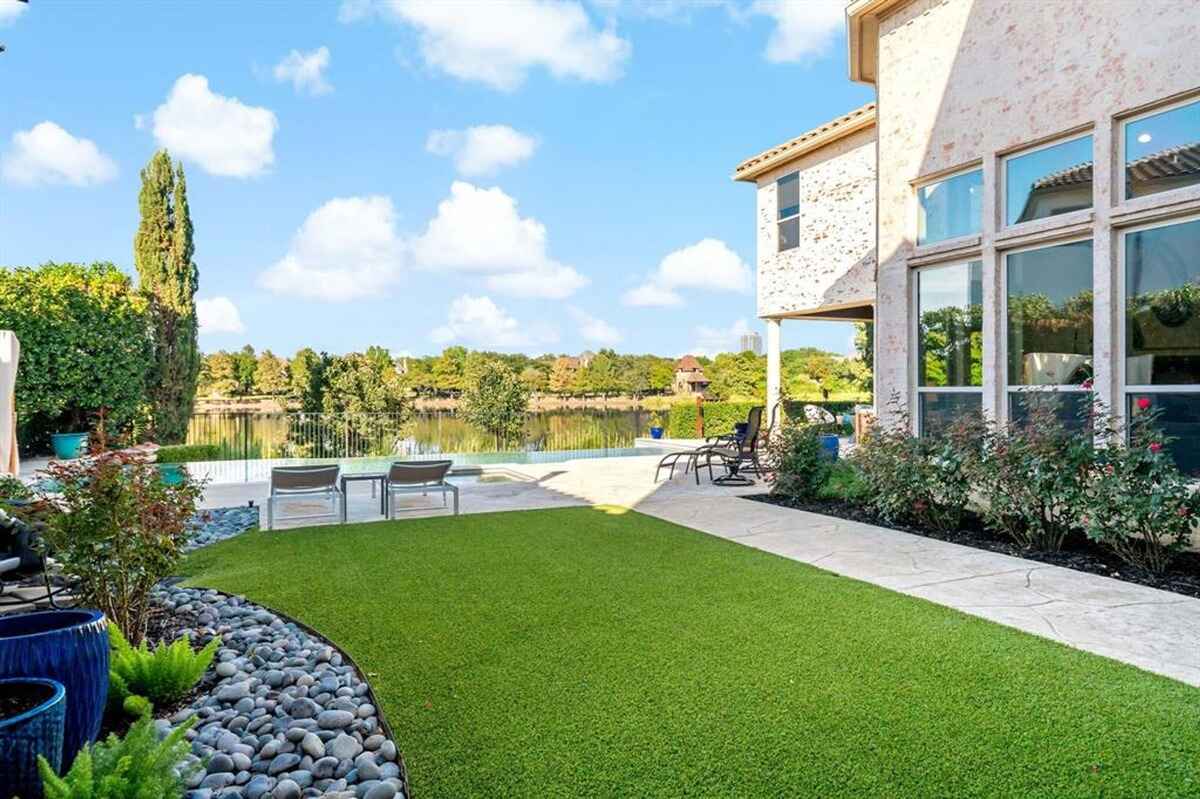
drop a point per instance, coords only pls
(38, 730)
(656, 432)
(172, 474)
(68, 445)
(70, 646)
(829, 447)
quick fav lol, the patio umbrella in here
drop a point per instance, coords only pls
(10, 351)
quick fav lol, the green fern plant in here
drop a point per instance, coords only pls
(138, 766)
(162, 675)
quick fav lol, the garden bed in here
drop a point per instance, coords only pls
(1077, 553)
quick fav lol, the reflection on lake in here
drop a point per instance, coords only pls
(314, 435)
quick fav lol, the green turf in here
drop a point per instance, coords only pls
(595, 652)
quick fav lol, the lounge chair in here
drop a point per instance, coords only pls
(419, 477)
(691, 458)
(738, 458)
(288, 482)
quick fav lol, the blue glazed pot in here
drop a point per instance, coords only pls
(829, 447)
(35, 732)
(70, 646)
(171, 473)
(656, 432)
(68, 445)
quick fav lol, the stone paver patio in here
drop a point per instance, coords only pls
(1154, 630)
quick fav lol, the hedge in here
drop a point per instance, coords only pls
(720, 417)
(187, 453)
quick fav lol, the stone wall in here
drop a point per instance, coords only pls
(834, 266)
(961, 83)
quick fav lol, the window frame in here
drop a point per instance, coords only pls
(779, 220)
(1008, 388)
(1122, 123)
(915, 340)
(1124, 389)
(1046, 145)
(924, 183)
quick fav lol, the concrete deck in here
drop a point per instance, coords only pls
(1154, 630)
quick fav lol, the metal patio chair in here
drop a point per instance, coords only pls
(419, 477)
(291, 482)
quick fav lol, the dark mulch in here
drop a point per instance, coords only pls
(1078, 553)
(17, 698)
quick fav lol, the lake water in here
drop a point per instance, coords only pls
(282, 435)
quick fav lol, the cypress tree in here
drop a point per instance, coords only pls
(162, 253)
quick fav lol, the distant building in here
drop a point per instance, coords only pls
(751, 342)
(689, 377)
(585, 359)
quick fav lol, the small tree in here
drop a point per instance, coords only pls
(271, 374)
(497, 402)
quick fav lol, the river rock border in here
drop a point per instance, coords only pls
(286, 714)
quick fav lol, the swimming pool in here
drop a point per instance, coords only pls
(251, 471)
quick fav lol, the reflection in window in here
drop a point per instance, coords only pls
(1050, 315)
(1050, 181)
(1070, 408)
(949, 344)
(1179, 418)
(950, 325)
(950, 208)
(787, 198)
(1162, 317)
(941, 409)
(1163, 151)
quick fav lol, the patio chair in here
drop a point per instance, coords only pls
(739, 458)
(419, 477)
(691, 458)
(289, 482)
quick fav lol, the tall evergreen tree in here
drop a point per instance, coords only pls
(162, 253)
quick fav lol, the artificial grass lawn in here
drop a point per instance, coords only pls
(599, 652)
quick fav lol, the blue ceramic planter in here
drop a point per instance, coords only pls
(70, 646)
(172, 474)
(656, 432)
(35, 732)
(68, 445)
(829, 447)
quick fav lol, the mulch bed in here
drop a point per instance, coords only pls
(1078, 553)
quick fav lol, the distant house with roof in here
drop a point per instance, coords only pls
(689, 377)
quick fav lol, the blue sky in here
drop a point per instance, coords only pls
(524, 175)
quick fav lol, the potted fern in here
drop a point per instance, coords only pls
(656, 425)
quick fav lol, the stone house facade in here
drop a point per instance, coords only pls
(1036, 218)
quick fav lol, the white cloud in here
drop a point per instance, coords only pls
(478, 320)
(802, 29)
(10, 10)
(222, 134)
(305, 71)
(712, 341)
(499, 43)
(595, 330)
(219, 315)
(483, 149)
(346, 249)
(708, 264)
(480, 231)
(48, 154)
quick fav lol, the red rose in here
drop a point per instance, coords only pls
(1156, 447)
(1143, 403)
(1086, 384)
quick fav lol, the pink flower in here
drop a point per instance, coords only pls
(1086, 384)
(1184, 512)
(1155, 447)
(1143, 403)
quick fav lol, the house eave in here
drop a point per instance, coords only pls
(862, 31)
(835, 130)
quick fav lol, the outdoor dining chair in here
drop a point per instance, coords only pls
(419, 477)
(290, 482)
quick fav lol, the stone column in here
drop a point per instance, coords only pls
(774, 372)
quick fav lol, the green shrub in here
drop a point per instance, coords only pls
(138, 766)
(187, 453)
(719, 418)
(1030, 477)
(1137, 502)
(921, 481)
(845, 483)
(85, 345)
(164, 674)
(12, 488)
(118, 529)
(799, 468)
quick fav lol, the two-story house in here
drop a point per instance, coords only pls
(1021, 212)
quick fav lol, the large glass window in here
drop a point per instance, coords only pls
(1048, 181)
(787, 196)
(1162, 332)
(1162, 151)
(1049, 326)
(950, 208)
(949, 343)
